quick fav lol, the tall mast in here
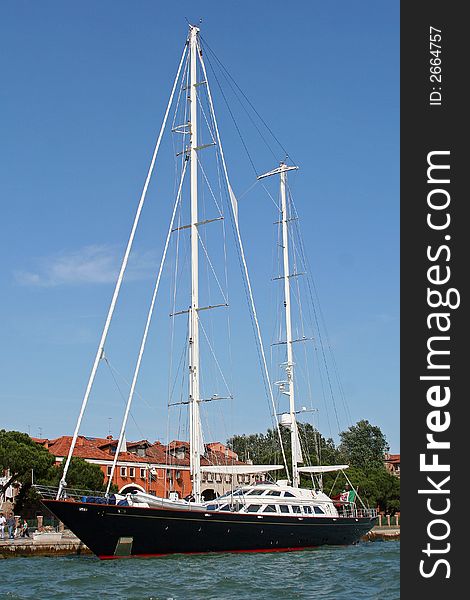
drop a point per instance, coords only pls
(290, 356)
(194, 395)
(288, 386)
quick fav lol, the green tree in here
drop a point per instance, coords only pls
(81, 475)
(363, 445)
(264, 448)
(20, 455)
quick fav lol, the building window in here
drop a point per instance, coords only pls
(210, 477)
(228, 479)
(142, 473)
(108, 470)
(131, 471)
(123, 471)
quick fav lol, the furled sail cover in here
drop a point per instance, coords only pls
(296, 450)
(323, 469)
(240, 469)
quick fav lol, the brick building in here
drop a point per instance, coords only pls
(153, 467)
(392, 464)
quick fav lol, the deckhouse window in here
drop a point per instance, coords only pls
(296, 509)
(270, 508)
(318, 510)
(288, 495)
(252, 508)
(273, 493)
(255, 493)
(284, 508)
(308, 510)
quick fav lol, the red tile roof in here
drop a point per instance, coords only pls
(94, 449)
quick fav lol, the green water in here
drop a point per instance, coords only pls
(366, 571)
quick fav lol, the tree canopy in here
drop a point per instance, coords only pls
(20, 455)
(81, 475)
(363, 445)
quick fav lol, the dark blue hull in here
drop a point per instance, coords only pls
(118, 531)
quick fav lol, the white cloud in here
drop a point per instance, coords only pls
(87, 265)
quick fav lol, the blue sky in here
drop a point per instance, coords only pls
(84, 90)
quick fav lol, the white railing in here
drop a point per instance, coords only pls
(352, 511)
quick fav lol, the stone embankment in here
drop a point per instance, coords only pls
(43, 544)
(382, 534)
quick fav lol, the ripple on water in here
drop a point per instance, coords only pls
(369, 571)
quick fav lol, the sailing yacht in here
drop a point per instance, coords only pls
(266, 516)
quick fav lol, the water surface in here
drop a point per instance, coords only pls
(369, 570)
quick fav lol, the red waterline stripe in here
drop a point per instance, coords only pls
(112, 557)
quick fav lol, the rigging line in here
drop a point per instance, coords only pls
(224, 236)
(248, 190)
(214, 357)
(242, 255)
(128, 385)
(209, 186)
(304, 259)
(322, 348)
(248, 100)
(111, 370)
(184, 75)
(310, 280)
(231, 114)
(302, 320)
(205, 118)
(172, 319)
(212, 268)
(181, 89)
(178, 370)
(99, 353)
(268, 145)
(146, 330)
(311, 306)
